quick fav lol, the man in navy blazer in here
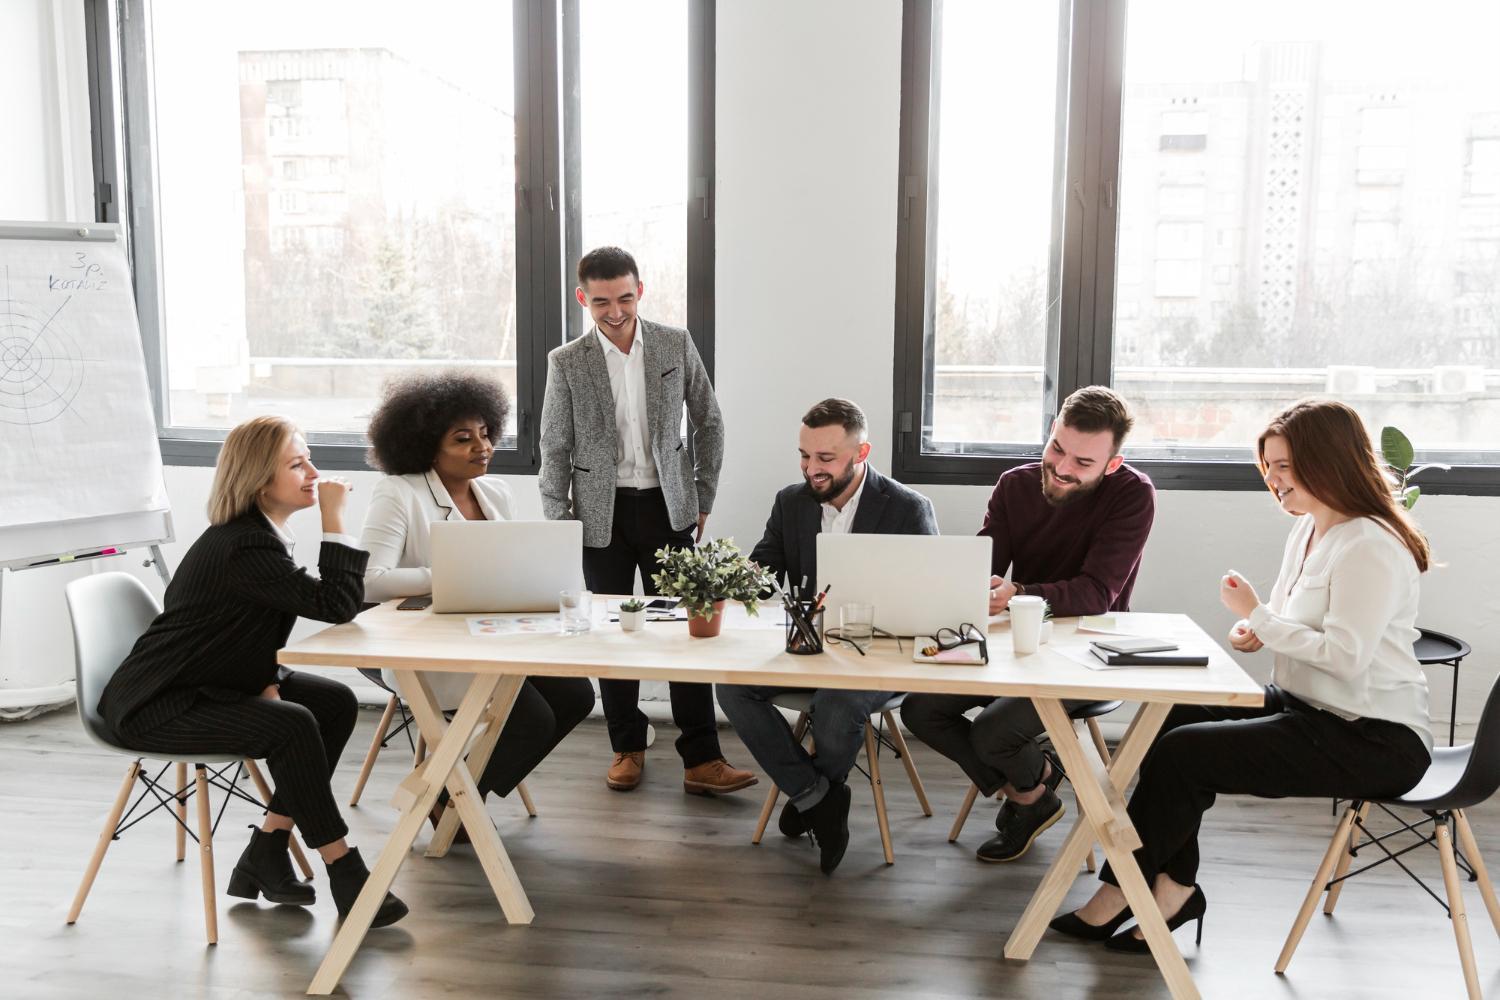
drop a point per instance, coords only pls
(840, 492)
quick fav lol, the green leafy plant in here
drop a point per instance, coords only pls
(713, 572)
(633, 604)
(1397, 451)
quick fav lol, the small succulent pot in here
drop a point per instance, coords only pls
(632, 616)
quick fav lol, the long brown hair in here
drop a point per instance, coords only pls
(1334, 460)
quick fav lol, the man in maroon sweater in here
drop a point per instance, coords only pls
(1069, 529)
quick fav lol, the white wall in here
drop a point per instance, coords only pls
(44, 77)
(807, 154)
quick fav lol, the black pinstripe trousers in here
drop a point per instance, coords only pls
(300, 737)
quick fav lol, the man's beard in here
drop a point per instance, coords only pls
(1076, 491)
(839, 484)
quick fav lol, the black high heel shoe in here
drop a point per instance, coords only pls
(1191, 910)
(1073, 925)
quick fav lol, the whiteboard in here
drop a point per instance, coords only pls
(80, 466)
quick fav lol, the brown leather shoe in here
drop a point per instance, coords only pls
(625, 773)
(716, 777)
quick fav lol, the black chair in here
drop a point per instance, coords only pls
(1458, 778)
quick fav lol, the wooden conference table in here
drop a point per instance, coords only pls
(747, 653)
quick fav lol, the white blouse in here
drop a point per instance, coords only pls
(1342, 624)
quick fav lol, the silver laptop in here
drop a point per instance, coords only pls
(917, 583)
(500, 566)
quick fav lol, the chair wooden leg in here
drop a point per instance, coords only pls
(264, 790)
(963, 812)
(1330, 857)
(798, 731)
(1345, 858)
(106, 837)
(526, 799)
(206, 857)
(1099, 743)
(1471, 851)
(872, 757)
(369, 764)
(911, 766)
(1456, 908)
(180, 794)
(1089, 863)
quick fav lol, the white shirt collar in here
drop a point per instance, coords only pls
(287, 538)
(609, 345)
(842, 521)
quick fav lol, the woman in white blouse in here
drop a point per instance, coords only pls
(433, 436)
(1345, 713)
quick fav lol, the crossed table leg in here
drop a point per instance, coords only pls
(1101, 801)
(490, 697)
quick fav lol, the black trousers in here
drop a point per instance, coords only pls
(999, 746)
(641, 526)
(300, 737)
(1284, 749)
(546, 710)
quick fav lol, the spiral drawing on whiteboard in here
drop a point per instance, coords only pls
(41, 367)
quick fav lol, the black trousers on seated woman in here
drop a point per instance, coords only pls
(300, 736)
(1287, 748)
(546, 710)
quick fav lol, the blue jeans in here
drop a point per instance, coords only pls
(837, 719)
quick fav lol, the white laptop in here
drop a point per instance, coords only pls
(500, 566)
(917, 583)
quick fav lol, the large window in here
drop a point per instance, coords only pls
(1240, 206)
(323, 196)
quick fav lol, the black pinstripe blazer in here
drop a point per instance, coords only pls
(230, 607)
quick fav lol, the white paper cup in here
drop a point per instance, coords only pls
(1026, 622)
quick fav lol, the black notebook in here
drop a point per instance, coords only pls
(1175, 658)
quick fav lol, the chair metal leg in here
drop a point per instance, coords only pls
(899, 742)
(872, 755)
(1339, 843)
(1471, 851)
(181, 796)
(963, 813)
(798, 732)
(264, 791)
(1344, 859)
(1456, 907)
(106, 837)
(369, 764)
(526, 799)
(206, 858)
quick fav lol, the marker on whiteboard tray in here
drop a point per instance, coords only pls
(111, 551)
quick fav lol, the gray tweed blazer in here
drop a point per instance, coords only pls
(579, 437)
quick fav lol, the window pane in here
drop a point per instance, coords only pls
(336, 202)
(633, 70)
(1310, 205)
(996, 84)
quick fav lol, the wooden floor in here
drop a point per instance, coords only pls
(659, 894)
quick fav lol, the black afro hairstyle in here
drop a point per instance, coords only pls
(416, 410)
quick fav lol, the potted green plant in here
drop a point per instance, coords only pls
(1397, 451)
(632, 614)
(705, 577)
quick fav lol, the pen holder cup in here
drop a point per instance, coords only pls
(804, 642)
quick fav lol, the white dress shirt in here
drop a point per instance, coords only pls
(1342, 623)
(634, 465)
(841, 522)
(290, 540)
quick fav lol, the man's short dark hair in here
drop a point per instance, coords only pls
(1096, 408)
(606, 264)
(834, 410)
(415, 411)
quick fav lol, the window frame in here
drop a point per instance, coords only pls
(121, 78)
(1091, 43)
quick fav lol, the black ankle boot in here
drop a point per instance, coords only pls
(346, 877)
(265, 869)
(828, 822)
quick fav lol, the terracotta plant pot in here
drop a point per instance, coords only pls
(707, 628)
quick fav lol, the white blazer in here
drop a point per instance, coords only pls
(400, 546)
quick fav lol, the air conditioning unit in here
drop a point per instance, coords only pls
(1350, 380)
(1457, 380)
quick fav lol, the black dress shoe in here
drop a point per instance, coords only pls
(346, 877)
(1073, 925)
(792, 823)
(1052, 780)
(828, 822)
(1191, 910)
(265, 869)
(1023, 824)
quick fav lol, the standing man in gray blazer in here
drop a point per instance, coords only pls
(613, 457)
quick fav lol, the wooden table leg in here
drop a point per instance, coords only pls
(477, 759)
(1064, 871)
(416, 796)
(1104, 805)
